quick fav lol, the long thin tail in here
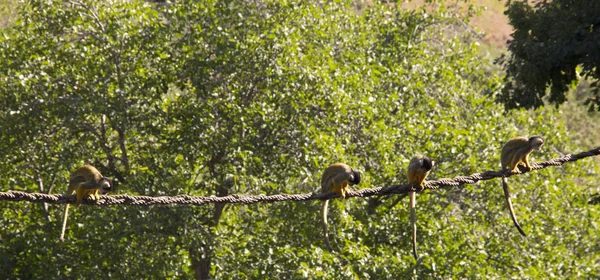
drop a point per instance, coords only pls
(324, 222)
(413, 223)
(510, 207)
(64, 225)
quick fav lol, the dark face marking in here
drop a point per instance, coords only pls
(355, 177)
(427, 164)
(108, 186)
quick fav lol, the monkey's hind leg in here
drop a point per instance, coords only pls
(337, 188)
(344, 189)
(83, 193)
(514, 164)
(526, 162)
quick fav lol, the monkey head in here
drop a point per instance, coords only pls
(427, 164)
(105, 184)
(536, 142)
(355, 179)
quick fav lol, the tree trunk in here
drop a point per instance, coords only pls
(201, 252)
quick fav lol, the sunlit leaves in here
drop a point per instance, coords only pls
(257, 97)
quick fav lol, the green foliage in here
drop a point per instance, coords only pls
(8, 11)
(554, 43)
(251, 97)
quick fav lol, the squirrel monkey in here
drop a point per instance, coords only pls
(85, 181)
(515, 152)
(336, 178)
(418, 169)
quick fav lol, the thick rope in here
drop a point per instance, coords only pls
(201, 200)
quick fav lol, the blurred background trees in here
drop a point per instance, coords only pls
(554, 45)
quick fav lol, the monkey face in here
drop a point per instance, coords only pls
(428, 164)
(355, 180)
(536, 142)
(106, 184)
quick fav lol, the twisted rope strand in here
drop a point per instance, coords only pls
(201, 200)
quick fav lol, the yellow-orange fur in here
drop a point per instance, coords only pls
(86, 181)
(515, 152)
(418, 169)
(336, 178)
